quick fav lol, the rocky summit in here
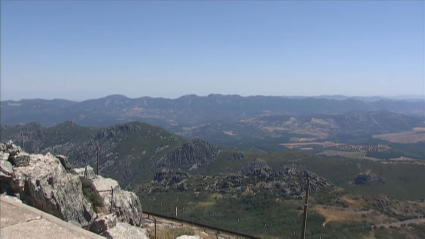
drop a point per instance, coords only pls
(77, 196)
(193, 152)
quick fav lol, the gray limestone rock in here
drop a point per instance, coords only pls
(4, 156)
(2, 147)
(86, 172)
(6, 169)
(126, 205)
(64, 161)
(46, 185)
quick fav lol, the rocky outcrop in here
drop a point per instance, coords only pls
(398, 208)
(48, 183)
(196, 151)
(6, 169)
(124, 204)
(86, 172)
(166, 179)
(255, 176)
(44, 183)
(258, 176)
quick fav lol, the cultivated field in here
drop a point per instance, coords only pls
(407, 137)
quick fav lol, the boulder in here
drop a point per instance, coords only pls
(126, 205)
(125, 231)
(4, 156)
(86, 172)
(45, 184)
(103, 223)
(11, 148)
(2, 147)
(64, 161)
(6, 169)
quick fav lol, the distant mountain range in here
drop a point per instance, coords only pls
(191, 110)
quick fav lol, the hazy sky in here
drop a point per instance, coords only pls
(81, 50)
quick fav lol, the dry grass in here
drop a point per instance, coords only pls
(333, 214)
(201, 204)
(419, 129)
(354, 203)
(173, 232)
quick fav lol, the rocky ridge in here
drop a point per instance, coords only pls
(194, 152)
(257, 175)
(48, 183)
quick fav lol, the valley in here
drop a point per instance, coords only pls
(248, 172)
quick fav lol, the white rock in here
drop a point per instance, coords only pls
(188, 237)
(126, 231)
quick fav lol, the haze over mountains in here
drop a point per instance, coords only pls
(191, 110)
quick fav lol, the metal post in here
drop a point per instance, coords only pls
(97, 159)
(154, 219)
(112, 197)
(305, 209)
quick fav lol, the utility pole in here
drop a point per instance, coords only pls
(97, 159)
(305, 209)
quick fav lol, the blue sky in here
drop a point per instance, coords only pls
(81, 50)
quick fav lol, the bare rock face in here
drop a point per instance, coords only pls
(126, 205)
(48, 183)
(6, 169)
(64, 161)
(196, 151)
(3, 155)
(45, 184)
(86, 172)
(10, 148)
